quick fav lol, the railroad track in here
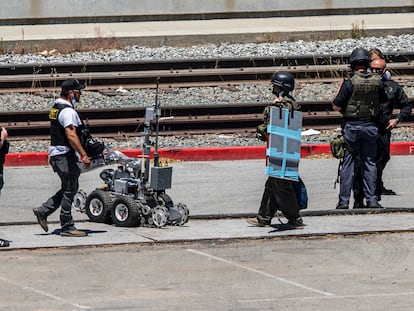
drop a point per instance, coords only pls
(128, 122)
(180, 120)
(15, 77)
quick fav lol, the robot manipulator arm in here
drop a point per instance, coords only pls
(149, 116)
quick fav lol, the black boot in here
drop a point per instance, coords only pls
(296, 222)
(342, 206)
(358, 204)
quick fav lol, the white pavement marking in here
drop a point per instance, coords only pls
(260, 272)
(28, 288)
(330, 297)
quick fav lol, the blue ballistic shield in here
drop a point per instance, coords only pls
(283, 144)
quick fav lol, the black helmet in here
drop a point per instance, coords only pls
(360, 57)
(284, 80)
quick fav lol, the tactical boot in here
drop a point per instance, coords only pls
(297, 223)
(4, 243)
(359, 204)
(42, 220)
(342, 206)
(73, 233)
(375, 205)
(257, 223)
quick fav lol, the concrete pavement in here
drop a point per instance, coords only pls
(33, 237)
(219, 195)
(188, 32)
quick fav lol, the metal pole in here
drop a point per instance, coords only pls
(157, 126)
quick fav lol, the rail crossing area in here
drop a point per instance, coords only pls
(224, 198)
(213, 191)
(341, 260)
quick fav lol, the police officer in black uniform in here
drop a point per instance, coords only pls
(65, 151)
(4, 149)
(360, 99)
(396, 99)
(280, 194)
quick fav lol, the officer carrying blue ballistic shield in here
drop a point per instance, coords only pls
(281, 128)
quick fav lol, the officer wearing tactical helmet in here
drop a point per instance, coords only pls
(360, 100)
(279, 194)
(396, 99)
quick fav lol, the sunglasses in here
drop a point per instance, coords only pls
(378, 70)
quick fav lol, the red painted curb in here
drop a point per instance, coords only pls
(203, 153)
(26, 159)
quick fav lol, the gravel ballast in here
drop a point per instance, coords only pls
(200, 96)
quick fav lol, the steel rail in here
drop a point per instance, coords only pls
(174, 120)
(186, 76)
(188, 63)
(186, 71)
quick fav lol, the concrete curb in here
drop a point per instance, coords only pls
(205, 217)
(102, 235)
(203, 153)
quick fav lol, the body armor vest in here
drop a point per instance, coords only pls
(364, 102)
(57, 131)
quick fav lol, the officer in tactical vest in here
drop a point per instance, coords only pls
(64, 153)
(360, 99)
(279, 194)
(396, 99)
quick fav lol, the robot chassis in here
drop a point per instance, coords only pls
(134, 193)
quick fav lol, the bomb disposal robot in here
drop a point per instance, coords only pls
(134, 193)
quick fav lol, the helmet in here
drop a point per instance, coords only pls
(359, 56)
(284, 80)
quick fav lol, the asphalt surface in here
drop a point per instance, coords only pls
(341, 260)
(357, 272)
(220, 196)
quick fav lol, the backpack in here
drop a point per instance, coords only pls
(338, 146)
(301, 193)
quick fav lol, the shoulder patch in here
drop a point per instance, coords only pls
(390, 89)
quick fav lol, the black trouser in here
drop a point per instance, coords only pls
(361, 138)
(279, 194)
(66, 167)
(382, 158)
(1, 181)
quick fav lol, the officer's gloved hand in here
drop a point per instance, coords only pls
(260, 137)
(261, 132)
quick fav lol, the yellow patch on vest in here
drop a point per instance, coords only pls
(53, 113)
